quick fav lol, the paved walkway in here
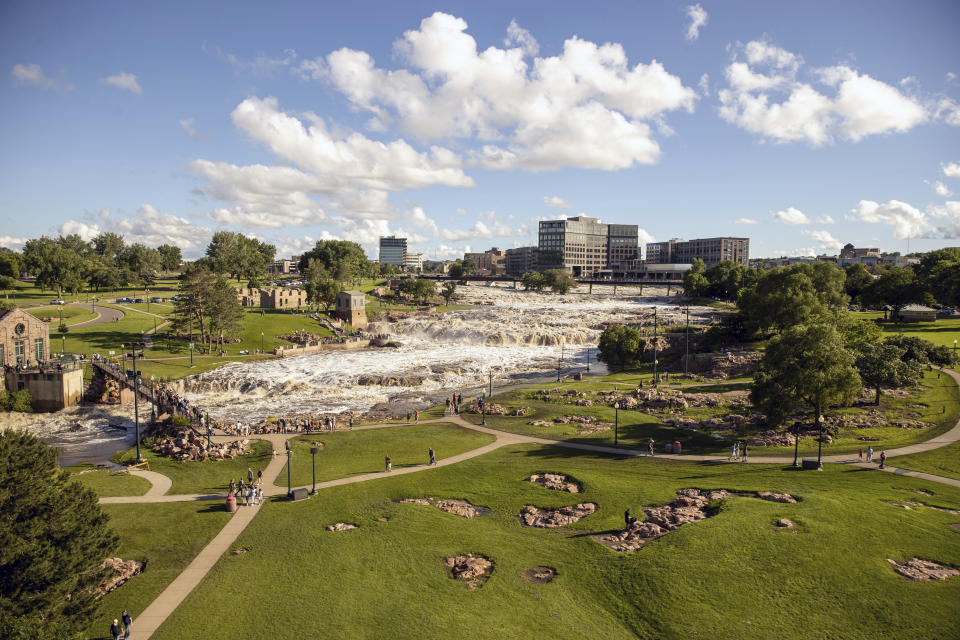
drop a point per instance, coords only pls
(104, 315)
(159, 483)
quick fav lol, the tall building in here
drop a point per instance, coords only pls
(393, 250)
(413, 262)
(711, 250)
(521, 260)
(585, 245)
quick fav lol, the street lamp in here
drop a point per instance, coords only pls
(588, 358)
(261, 342)
(313, 452)
(655, 380)
(820, 444)
(616, 423)
(796, 444)
(289, 489)
(136, 395)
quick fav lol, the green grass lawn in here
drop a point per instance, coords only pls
(944, 461)
(107, 483)
(211, 476)
(735, 575)
(347, 453)
(943, 331)
(71, 315)
(167, 537)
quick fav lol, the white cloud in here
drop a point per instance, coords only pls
(261, 65)
(791, 215)
(948, 110)
(147, 226)
(30, 74)
(556, 202)
(16, 244)
(125, 81)
(940, 188)
(704, 85)
(745, 221)
(825, 238)
(698, 18)
(189, 125)
(764, 97)
(520, 37)
(643, 237)
(951, 169)
(907, 221)
(950, 214)
(583, 108)
(483, 231)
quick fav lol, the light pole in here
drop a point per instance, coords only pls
(686, 358)
(616, 423)
(289, 489)
(796, 444)
(655, 380)
(313, 452)
(124, 350)
(136, 398)
(491, 383)
(261, 342)
(820, 444)
(191, 331)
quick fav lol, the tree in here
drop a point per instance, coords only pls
(469, 266)
(448, 290)
(857, 333)
(806, 364)
(9, 263)
(224, 313)
(727, 278)
(424, 289)
(109, 245)
(56, 264)
(896, 287)
(786, 296)
(191, 309)
(923, 352)
(341, 259)
(558, 280)
(141, 261)
(695, 283)
(882, 364)
(455, 270)
(170, 257)
(53, 539)
(621, 346)
(857, 280)
(19, 401)
(534, 281)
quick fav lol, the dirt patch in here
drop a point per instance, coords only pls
(383, 519)
(690, 505)
(460, 508)
(471, 569)
(239, 552)
(922, 570)
(540, 575)
(785, 523)
(553, 518)
(122, 571)
(554, 481)
(341, 526)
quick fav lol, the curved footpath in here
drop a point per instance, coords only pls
(157, 612)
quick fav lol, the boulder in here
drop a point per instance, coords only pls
(122, 571)
(555, 482)
(553, 518)
(922, 570)
(471, 569)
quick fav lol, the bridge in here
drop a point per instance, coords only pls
(633, 281)
(103, 370)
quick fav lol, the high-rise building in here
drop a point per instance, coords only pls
(711, 250)
(393, 250)
(585, 245)
(413, 262)
(522, 259)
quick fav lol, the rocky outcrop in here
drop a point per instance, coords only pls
(341, 526)
(585, 424)
(922, 570)
(555, 482)
(370, 380)
(540, 575)
(493, 409)
(122, 571)
(460, 508)
(553, 518)
(187, 445)
(470, 569)
(785, 523)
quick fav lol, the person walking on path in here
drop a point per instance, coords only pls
(416, 416)
(861, 454)
(249, 475)
(433, 456)
(883, 458)
(233, 487)
(408, 417)
(115, 631)
(733, 451)
(650, 447)
(869, 454)
(387, 463)
(351, 423)
(259, 476)
(743, 453)
(127, 623)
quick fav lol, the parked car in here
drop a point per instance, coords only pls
(138, 300)
(57, 302)
(157, 299)
(122, 300)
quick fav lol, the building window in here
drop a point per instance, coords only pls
(18, 351)
(38, 349)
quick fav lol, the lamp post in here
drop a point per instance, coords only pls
(261, 342)
(616, 423)
(124, 350)
(686, 358)
(588, 358)
(289, 489)
(491, 383)
(655, 380)
(820, 444)
(206, 422)
(313, 452)
(191, 331)
(136, 397)
(796, 444)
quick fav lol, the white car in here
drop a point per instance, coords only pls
(57, 302)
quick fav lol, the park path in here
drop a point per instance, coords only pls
(159, 483)
(104, 315)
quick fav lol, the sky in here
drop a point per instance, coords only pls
(460, 125)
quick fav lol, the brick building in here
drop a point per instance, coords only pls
(24, 339)
(351, 307)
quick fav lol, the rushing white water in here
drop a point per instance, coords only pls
(513, 335)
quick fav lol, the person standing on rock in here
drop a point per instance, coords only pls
(433, 456)
(883, 458)
(127, 622)
(387, 463)
(115, 630)
(628, 519)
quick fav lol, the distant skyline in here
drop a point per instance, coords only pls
(460, 125)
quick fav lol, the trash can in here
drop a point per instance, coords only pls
(668, 447)
(676, 447)
(231, 504)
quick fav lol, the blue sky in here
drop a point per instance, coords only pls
(801, 125)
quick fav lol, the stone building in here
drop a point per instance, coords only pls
(351, 307)
(275, 298)
(24, 340)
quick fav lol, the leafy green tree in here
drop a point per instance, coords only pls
(56, 264)
(558, 280)
(9, 263)
(455, 270)
(53, 539)
(533, 281)
(424, 289)
(857, 280)
(944, 282)
(786, 296)
(109, 245)
(882, 364)
(857, 332)
(448, 290)
(7, 282)
(621, 347)
(923, 352)
(19, 401)
(806, 364)
(170, 257)
(469, 266)
(141, 261)
(192, 308)
(224, 313)
(341, 259)
(695, 281)
(932, 261)
(896, 287)
(726, 279)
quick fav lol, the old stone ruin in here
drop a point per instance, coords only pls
(555, 482)
(460, 508)
(122, 571)
(690, 505)
(923, 570)
(553, 518)
(720, 366)
(187, 445)
(585, 424)
(470, 569)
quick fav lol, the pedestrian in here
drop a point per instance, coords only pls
(249, 475)
(433, 456)
(883, 458)
(259, 475)
(743, 453)
(387, 463)
(127, 622)
(240, 492)
(351, 423)
(408, 417)
(115, 630)
(861, 454)
(416, 416)
(733, 451)
(460, 399)
(259, 495)
(233, 487)
(650, 447)
(628, 519)
(869, 454)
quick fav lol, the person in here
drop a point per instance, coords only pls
(650, 447)
(460, 399)
(733, 451)
(869, 454)
(387, 463)
(628, 519)
(127, 622)
(743, 453)
(883, 458)
(240, 492)
(416, 416)
(115, 629)
(433, 456)
(408, 416)
(351, 423)
(259, 475)
(259, 495)
(861, 454)
(233, 487)
(249, 475)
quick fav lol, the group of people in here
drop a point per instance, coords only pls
(294, 424)
(455, 402)
(118, 631)
(251, 493)
(738, 451)
(431, 454)
(883, 456)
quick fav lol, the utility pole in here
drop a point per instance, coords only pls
(686, 359)
(655, 381)
(491, 383)
(136, 399)
(191, 331)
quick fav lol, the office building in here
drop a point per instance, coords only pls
(711, 250)
(393, 250)
(585, 245)
(521, 260)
